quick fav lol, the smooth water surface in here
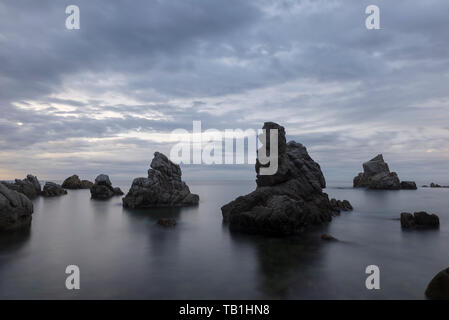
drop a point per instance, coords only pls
(124, 254)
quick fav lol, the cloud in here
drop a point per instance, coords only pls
(105, 95)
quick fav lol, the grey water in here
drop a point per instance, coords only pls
(124, 254)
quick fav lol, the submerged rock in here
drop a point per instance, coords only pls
(438, 288)
(419, 219)
(118, 191)
(284, 203)
(167, 223)
(74, 183)
(15, 209)
(162, 188)
(52, 189)
(328, 237)
(376, 175)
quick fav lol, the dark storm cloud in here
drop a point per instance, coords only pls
(153, 66)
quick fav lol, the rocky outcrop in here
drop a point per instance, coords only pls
(284, 203)
(117, 191)
(102, 188)
(419, 220)
(74, 183)
(52, 189)
(438, 288)
(408, 185)
(15, 209)
(376, 175)
(167, 223)
(29, 186)
(162, 188)
(328, 237)
(338, 205)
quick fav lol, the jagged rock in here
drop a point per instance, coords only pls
(118, 191)
(167, 223)
(15, 209)
(376, 175)
(438, 287)
(52, 189)
(74, 183)
(408, 185)
(102, 188)
(435, 185)
(284, 203)
(162, 188)
(339, 205)
(419, 220)
(328, 237)
(29, 186)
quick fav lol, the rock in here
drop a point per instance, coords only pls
(435, 185)
(438, 287)
(74, 183)
(15, 209)
(425, 186)
(29, 186)
(118, 191)
(35, 182)
(339, 205)
(284, 203)
(162, 188)
(86, 184)
(419, 220)
(167, 223)
(376, 175)
(408, 185)
(52, 189)
(102, 188)
(328, 237)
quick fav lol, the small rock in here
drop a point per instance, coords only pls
(15, 209)
(102, 188)
(167, 223)
(408, 185)
(118, 191)
(328, 237)
(52, 189)
(419, 219)
(339, 205)
(86, 184)
(74, 183)
(438, 288)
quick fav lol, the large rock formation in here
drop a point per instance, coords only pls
(419, 220)
(376, 175)
(162, 188)
(102, 188)
(15, 209)
(288, 201)
(74, 182)
(29, 186)
(52, 189)
(438, 288)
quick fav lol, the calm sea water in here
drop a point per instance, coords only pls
(124, 254)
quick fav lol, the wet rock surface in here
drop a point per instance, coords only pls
(30, 186)
(287, 202)
(162, 188)
(15, 209)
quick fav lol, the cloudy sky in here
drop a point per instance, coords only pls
(105, 97)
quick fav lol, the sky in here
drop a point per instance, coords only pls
(104, 98)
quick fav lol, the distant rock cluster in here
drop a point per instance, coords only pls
(102, 189)
(376, 175)
(435, 185)
(163, 187)
(287, 202)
